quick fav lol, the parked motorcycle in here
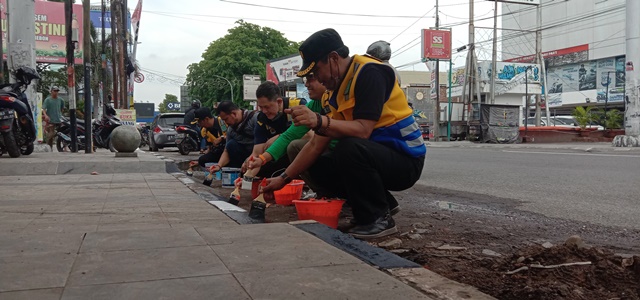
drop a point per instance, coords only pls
(144, 135)
(101, 132)
(63, 139)
(187, 139)
(16, 118)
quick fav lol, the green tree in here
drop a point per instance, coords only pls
(244, 50)
(168, 98)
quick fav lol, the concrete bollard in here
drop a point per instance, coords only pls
(125, 139)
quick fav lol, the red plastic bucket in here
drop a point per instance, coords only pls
(323, 211)
(290, 192)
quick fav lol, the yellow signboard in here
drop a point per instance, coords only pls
(127, 116)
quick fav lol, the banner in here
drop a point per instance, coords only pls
(508, 70)
(50, 31)
(127, 116)
(436, 44)
(284, 69)
(37, 115)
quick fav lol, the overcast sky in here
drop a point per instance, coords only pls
(174, 34)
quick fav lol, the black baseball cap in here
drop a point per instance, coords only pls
(202, 113)
(317, 46)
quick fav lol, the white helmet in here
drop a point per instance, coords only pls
(380, 50)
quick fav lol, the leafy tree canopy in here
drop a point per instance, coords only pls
(168, 98)
(244, 50)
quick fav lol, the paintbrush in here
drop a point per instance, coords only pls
(209, 178)
(258, 207)
(234, 198)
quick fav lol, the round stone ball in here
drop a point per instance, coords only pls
(125, 138)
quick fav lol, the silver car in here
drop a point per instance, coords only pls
(162, 131)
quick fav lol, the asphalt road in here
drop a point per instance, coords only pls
(600, 188)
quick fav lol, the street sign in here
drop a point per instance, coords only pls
(250, 84)
(436, 44)
(530, 2)
(139, 78)
(173, 106)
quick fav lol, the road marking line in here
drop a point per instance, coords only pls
(562, 153)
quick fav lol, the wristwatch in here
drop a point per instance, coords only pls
(286, 177)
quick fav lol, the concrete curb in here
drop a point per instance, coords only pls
(584, 147)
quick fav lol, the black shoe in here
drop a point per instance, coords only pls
(383, 226)
(257, 210)
(394, 211)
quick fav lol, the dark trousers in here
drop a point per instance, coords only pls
(273, 168)
(237, 153)
(212, 156)
(363, 172)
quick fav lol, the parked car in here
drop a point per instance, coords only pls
(162, 131)
(570, 120)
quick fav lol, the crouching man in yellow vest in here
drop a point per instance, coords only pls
(380, 146)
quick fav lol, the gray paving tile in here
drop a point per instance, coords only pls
(159, 224)
(206, 287)
(132, 218)
(358, 281)
(279, 232)
(42, 242)
(94, 207)
(139, 209)
(143, 265)
(216, 224)
(266, 253)
(140, 239)
(35, 271)
(209, 214)
(40, 294)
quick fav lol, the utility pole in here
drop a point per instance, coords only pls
(104, 58)
(538, 60)
(632, 77)
(22, 39)
(123, 35)
(494, 55)
(1, 49)
(71, 77)
(470, 61)
(114, 50)
(437, 83)
(88, 103)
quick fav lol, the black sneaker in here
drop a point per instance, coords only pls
(383, 226)
(257, 210)
(394, 211)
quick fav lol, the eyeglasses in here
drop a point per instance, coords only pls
(309, 77)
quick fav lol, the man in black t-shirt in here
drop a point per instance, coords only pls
(272, 121)
(239, 134)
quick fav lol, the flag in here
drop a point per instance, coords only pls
(135, 21)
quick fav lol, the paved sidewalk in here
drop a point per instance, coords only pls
(148, 236)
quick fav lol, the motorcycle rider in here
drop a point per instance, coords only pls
(51, 113)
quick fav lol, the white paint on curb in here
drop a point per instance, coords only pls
(224, 206)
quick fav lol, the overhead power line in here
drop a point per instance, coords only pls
(317, 11)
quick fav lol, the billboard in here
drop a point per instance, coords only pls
(436, 44)
(50, 31)
(506, 71)
(96, 19)
(284, 69)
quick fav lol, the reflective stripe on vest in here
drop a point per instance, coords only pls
(404, 136)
